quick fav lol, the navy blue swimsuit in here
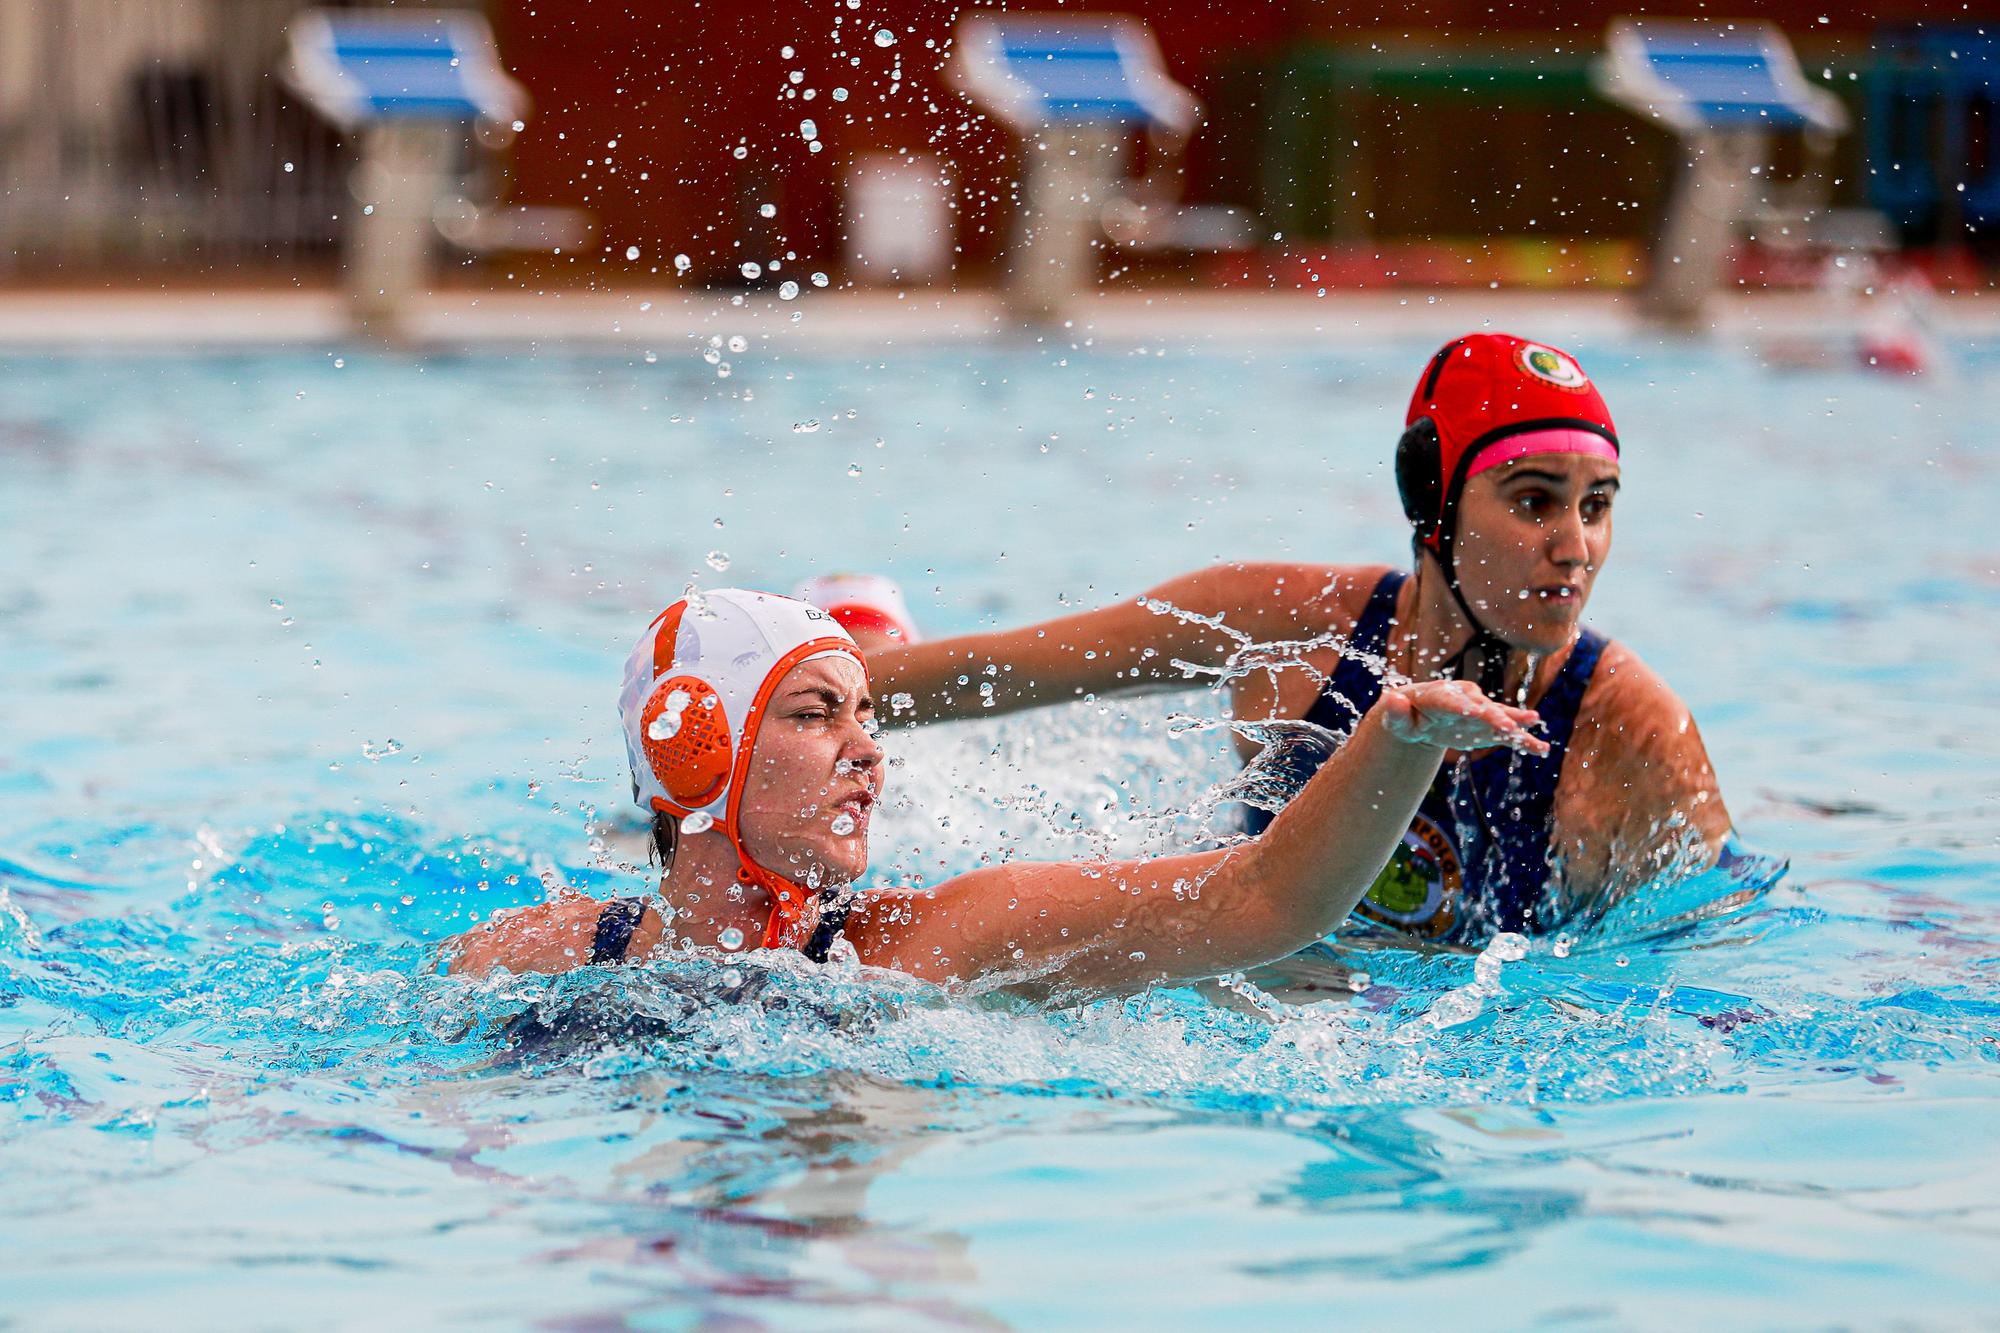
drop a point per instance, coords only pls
(1476, 858)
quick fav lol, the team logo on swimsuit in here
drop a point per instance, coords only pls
(1420, 888)
(1552, 367)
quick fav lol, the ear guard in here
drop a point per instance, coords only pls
(687, 740)
(1420, 479)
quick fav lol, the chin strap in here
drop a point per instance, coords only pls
(1485, 651)
(786, 928)
(1488, 649)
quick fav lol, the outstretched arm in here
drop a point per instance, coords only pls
(1124, 646)
(1125, 925)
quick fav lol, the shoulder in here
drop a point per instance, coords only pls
(1628, 698)
(1637, 746)
(1274, 599)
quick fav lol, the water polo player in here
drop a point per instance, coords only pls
(1508, 467)
(750, 730)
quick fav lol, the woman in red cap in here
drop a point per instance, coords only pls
(1508, 467)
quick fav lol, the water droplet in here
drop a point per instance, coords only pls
(752, 269)
(717, 561)
(668, 724)
(808, 131)
(652, 357)
(883, 37)
(819, 279)
(682, 263)
(730, 938)
(520, 125)
(854, 469)
(631, 252)
(843, 824)
(787, 291)
(739, 343)
(698, 822)
(806, 427)
(740, 153)
(767, 210)
(370, 750)
(840, 94)
(289, 168)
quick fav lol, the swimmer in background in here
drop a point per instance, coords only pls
(1508, 467)
(869, 607)
(751, 733)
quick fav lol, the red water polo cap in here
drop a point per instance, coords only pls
(1492, 398)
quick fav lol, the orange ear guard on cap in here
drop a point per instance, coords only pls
(690, 751)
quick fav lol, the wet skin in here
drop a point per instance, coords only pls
(1532, 535)
(1046, 927)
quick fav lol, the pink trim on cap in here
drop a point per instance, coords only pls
(1559, 440)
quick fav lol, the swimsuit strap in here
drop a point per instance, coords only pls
(832, 920)
(1355, 685)
(1350, 691)
(1564, 699)
(615, 926)
(620, 918)
(1525, 787)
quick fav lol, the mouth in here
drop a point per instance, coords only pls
(1559, 594)
(855, 805)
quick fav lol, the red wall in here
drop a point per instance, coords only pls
(680, 84)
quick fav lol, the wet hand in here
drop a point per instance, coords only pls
(1457, 715)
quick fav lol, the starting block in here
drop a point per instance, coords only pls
(1723, 89)
(415, 85)
(1074, 90)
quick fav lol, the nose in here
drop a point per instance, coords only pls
(1566, 544)
(861, 752)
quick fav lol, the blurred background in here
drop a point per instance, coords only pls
(1339, 146)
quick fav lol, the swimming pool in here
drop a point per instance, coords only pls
(310, 655)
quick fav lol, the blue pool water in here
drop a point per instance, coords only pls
(310, 659)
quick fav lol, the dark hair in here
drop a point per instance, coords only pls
(666, 832)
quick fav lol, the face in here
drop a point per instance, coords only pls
(814, 775)
(1532, 534)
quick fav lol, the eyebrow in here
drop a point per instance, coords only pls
(829, 696)
(1555, 479)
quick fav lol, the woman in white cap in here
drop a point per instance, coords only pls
(750, 729)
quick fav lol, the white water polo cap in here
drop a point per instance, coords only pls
(696, 687)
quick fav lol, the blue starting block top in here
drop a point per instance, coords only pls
(1713, 76)
(361, 66)
(1038, 70)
